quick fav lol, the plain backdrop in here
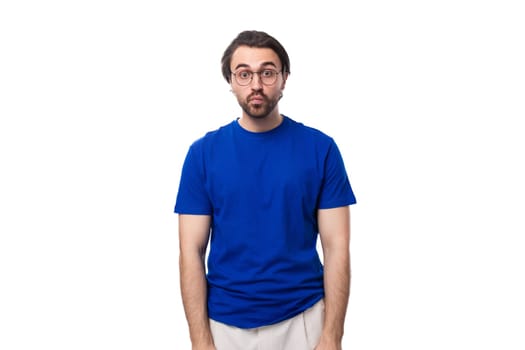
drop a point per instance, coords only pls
(99, 101)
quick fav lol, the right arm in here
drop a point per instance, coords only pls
(194, 232)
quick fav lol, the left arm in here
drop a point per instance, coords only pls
(334, 230)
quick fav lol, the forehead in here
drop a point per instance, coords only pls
(254, 57)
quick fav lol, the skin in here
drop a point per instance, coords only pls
(259, 103)
(194, 231)
(334, 231)
(260, 112)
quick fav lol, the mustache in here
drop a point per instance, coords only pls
(262, 95)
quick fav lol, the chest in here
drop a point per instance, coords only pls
(264, 171)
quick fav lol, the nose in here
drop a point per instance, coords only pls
(256, 83)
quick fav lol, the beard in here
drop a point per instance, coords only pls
(260, 110)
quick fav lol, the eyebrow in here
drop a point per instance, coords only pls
(244, 65)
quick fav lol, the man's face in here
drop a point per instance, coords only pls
(257, 94)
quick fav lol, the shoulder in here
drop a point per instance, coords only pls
(309, 133)
(213, 136)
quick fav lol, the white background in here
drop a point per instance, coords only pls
(99, 101)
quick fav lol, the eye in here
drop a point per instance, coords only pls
(245, 74)
(267, 73)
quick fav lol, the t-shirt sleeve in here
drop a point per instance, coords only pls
(192, 196)
(336, 190)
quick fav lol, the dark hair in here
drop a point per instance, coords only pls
(253, 38)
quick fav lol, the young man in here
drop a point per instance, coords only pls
(264, 187)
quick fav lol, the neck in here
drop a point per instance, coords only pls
(267, 123)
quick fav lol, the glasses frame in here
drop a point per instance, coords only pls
(252, 73)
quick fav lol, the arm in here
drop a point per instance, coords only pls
(194, 231)
(334, 230)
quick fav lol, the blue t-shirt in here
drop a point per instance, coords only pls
(263, 191)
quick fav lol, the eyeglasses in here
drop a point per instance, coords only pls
(245, 77)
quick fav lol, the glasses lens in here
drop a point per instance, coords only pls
(268, 76)
(243, 77)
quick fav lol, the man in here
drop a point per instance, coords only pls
(264, 187)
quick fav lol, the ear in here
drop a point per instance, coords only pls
(285, 78)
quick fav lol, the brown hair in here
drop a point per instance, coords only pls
(253, 38)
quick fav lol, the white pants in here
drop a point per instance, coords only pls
(301, 332)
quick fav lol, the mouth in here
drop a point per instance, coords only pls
(257, 99)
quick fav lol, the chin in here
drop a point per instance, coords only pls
(256, 113)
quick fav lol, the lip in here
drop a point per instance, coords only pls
(257, 99)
